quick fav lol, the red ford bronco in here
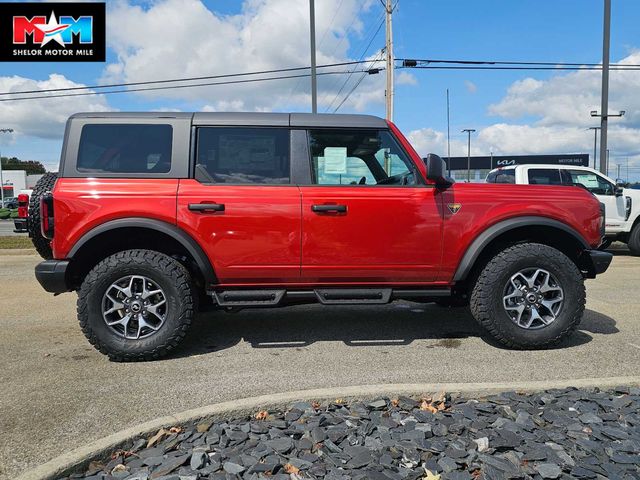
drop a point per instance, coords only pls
(153, 215)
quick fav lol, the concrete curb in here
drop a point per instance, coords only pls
(79, 458)
(17, 251)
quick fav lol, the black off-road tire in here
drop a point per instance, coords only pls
(488, 291)
(634, 240)
(44, 185)
(169, 274)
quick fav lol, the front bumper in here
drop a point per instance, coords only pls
(52, 275)
(20, 225)
(595, 262)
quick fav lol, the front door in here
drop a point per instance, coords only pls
(241, 206)
(368, 217)
(615, 205)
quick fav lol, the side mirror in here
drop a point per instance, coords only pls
(436, 170)
(617, 191)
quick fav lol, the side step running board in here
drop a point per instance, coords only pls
(249, 298)
(351, 296)
(326, 296)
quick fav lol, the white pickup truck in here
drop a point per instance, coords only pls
(622, 205)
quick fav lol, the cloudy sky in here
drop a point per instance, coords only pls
(514, 112)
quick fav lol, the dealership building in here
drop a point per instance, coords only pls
(13, 181)
(479, 167)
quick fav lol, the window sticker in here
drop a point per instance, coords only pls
(589, 181)
(335, 160)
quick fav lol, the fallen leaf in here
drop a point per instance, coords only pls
(157, 437)
(291, 468)
(339, 401)
(426, 406)
(315, 405)
(203, 427)
(118, 468)
(175, 429)
(431, 476)
(395, 402)
(261, 415)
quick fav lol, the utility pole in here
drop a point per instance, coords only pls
(469, 131)
(3, 130)
(448, 136)
(390, 64)
(595, 145)
(312, 33)
(604, 109)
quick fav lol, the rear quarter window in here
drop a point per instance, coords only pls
(125, 148)
(502, 176)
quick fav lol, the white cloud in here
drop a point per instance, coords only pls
(182, 38)
(44, 118)
(471, 87)
(405, 78)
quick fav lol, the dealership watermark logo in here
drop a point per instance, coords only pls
(51, 32)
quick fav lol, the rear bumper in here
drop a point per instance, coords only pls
(595, 262)
(52, 275)
(20, 225)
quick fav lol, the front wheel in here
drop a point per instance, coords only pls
(136, 305)
(529, 296)
(634, 240)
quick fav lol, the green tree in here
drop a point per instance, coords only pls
(31, 166)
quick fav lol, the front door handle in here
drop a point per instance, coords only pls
(329, 208)
(206, 207)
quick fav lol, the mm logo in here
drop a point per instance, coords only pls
(454, 207)
(62, 31)
(52, 31)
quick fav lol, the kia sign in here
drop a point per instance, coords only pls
(52, 32)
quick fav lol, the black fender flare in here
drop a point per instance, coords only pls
(182, 237)
(487, 236)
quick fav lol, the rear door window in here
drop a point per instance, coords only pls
(243, 155)
(544, 176)
(125, 148)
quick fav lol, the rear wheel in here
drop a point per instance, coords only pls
(634, 240)
(41, 244)
(136, 305)
(529, 296)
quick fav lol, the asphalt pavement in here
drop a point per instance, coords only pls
(58, 392)
(6, 228)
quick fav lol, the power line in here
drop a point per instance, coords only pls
(184, 79)
(172, 87)
(358, 82)
(364, 52)
(487, 67)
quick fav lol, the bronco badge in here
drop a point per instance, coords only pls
(454, 207)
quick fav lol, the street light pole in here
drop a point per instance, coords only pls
(469, 131)
(2, 130)
(595, 144)
(312, 33)
(604, 109)
(389, 59)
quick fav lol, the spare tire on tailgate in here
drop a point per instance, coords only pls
(44, 185)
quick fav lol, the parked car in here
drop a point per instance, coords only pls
(154, 213)
(622, 205)
(10, 202)
(20, 222)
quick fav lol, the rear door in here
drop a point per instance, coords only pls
(241, 205)
(368, 216)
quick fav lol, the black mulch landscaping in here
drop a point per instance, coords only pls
(565, 433)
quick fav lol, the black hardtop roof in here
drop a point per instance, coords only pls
(325, 120)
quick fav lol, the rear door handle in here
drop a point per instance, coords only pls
(206, 207)
(329, 208)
